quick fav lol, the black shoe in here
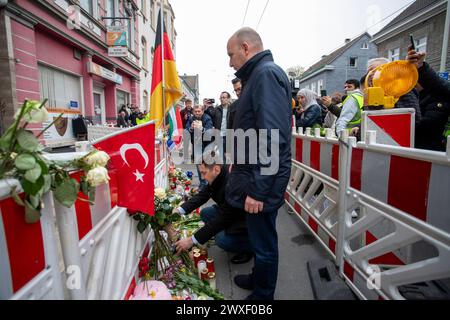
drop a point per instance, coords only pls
(242, 258)
(244, 281)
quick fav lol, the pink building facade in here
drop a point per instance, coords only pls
(57, 50)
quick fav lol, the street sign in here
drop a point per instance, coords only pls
(443, 75)
(118, 51)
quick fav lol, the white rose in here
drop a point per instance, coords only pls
(97, 159)
(34, 114)
(160, 193)
(97, 176)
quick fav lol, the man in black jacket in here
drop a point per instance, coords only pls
(226, 223)
(265, 104)
(434, 104)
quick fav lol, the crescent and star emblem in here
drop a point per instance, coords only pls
(135, 146)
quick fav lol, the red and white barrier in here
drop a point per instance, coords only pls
(29, 262)
(395, 127)
(403, 206)
(312, 189)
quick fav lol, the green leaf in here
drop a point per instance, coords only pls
(43, 165)
(27, 140)
(32, 188)
(92, 194)
(25, 162)
(32, 215)
(35, 201)
(160, 215)
(141, 226)
(47, 183)
(66, 192)
(33, 174)
(84, 187)
(16, 197)
(5, 141)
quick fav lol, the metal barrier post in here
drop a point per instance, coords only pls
(68, 232)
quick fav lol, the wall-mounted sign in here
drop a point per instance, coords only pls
(116, 36)
(104, 73)
(118, 51)
(443, 75)
(73, 104)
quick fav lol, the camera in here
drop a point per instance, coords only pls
(212, 101)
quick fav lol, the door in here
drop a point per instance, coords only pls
(99, 106)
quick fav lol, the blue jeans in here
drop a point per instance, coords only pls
(264, 241)
(237, 243)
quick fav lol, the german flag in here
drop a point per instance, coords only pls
(171, 80)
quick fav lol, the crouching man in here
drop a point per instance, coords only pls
(227, 224)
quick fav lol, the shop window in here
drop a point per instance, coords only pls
(122, 99)
(62, 90)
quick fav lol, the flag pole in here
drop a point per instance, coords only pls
(166, 158)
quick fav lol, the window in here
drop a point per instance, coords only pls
(144, 53)
(394, 54)
(130, 25)
(59, 87)
(353, 62)
(90, 6)
(152, 13)
(144, 7)
(122, 99)
(313, 87)
(110, 10)
(145, 100)
(365, 45)
(319, 86)
(421, 45)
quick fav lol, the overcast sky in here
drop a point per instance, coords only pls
(298, 32)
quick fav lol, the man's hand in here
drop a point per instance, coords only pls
(326, 101)
(354, 131)
(184, 244)
(253, 206)
(415, 58)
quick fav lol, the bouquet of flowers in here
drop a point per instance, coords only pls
(22, 158)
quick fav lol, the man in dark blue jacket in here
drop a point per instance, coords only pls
(264, 104)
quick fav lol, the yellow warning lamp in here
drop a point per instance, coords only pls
(387, 83)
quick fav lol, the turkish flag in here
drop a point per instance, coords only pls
(132, 153)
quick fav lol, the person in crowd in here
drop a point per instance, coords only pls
(134, 115)
(351, 85)
(237, 87)
(265, 103)
(197, 126)
(208, 107)
(121, 122)
(186, 113)
(309, 115)
(333, 110)
(334, 103)
(352, 107)
(124, 109)
(220, 119)
(223, 222)
(434, 104)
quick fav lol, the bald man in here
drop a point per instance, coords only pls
(264, 104)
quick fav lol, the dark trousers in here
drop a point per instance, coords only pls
(264, 241)
(237, 243)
